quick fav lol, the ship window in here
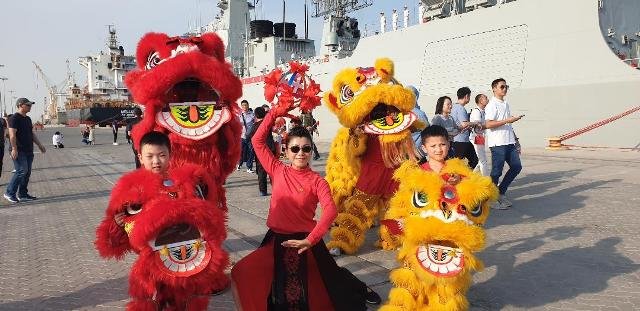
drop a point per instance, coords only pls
(99, 77)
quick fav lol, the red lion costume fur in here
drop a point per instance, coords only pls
(189, 92)
(177, 228)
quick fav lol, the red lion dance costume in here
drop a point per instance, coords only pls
(177, 230)
(189, 92)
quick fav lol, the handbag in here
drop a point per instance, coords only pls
(478, 139)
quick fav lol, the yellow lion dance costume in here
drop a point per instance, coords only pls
(375, 111)
(439, 218)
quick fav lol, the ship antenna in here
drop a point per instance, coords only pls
(338, 8)
(284, 13)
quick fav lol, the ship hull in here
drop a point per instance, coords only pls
(562, 74)
(101, 116)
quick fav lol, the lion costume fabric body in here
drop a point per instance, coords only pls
(438, 218)
(176, 227)
(375, 112)
(189, 92)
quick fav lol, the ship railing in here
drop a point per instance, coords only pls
(556, 143)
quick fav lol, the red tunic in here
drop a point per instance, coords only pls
(425, 166)
(375, 178)
(296, 193)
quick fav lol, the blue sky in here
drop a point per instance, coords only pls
(50, 32)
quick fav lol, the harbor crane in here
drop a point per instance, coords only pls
(57, 93)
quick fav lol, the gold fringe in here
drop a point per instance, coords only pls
(395, 152)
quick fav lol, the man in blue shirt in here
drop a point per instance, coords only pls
(462, 147)
(247, 119)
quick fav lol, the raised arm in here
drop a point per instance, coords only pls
(259, 142)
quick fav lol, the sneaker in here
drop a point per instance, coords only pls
(504, 201)
(11, 198)
(372, 297)
(263, 193)
(26, 198)
(239, 167)
(250, 171)
(115, 144)
(498, 205)
(335, 251)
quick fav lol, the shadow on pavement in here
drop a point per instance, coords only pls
(543, 202)
(556, 275)
(92, 295)
(67, 167)
(64, 198)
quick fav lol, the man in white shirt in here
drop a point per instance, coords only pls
(421, 11)
(383, 23)
(501, 140)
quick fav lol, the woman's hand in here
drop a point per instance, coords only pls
(302, 245)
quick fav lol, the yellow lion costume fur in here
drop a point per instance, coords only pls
(375, 112)
(439, 219)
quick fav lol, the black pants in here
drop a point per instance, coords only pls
(115, 137)
(135, 157)
(465, 150)
(262, 177)
(1, 156)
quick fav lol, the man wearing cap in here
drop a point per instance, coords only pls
(21, 138)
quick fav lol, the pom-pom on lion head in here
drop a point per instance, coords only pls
(439, 218)
(372, 98)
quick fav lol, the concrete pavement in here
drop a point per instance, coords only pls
(569, 243)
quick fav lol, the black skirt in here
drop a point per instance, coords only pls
(295, 281)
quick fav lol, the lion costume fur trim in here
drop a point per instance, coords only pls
(354, 94)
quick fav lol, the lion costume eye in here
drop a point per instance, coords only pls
(346, 94)
(133, 208)
(476, 211)
(201, 191)
(420, 199)
(153, 60)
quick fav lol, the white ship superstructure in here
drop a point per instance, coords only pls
(106, 70)
(569, 63)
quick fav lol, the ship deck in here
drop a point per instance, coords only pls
(569, 243)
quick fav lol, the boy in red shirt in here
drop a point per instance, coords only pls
(155, 155)
(435, 143)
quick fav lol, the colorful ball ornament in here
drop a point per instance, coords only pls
(292, 87)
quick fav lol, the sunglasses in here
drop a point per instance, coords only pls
(504, 87)
(296, 149)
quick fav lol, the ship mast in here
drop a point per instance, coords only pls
(340, 33)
